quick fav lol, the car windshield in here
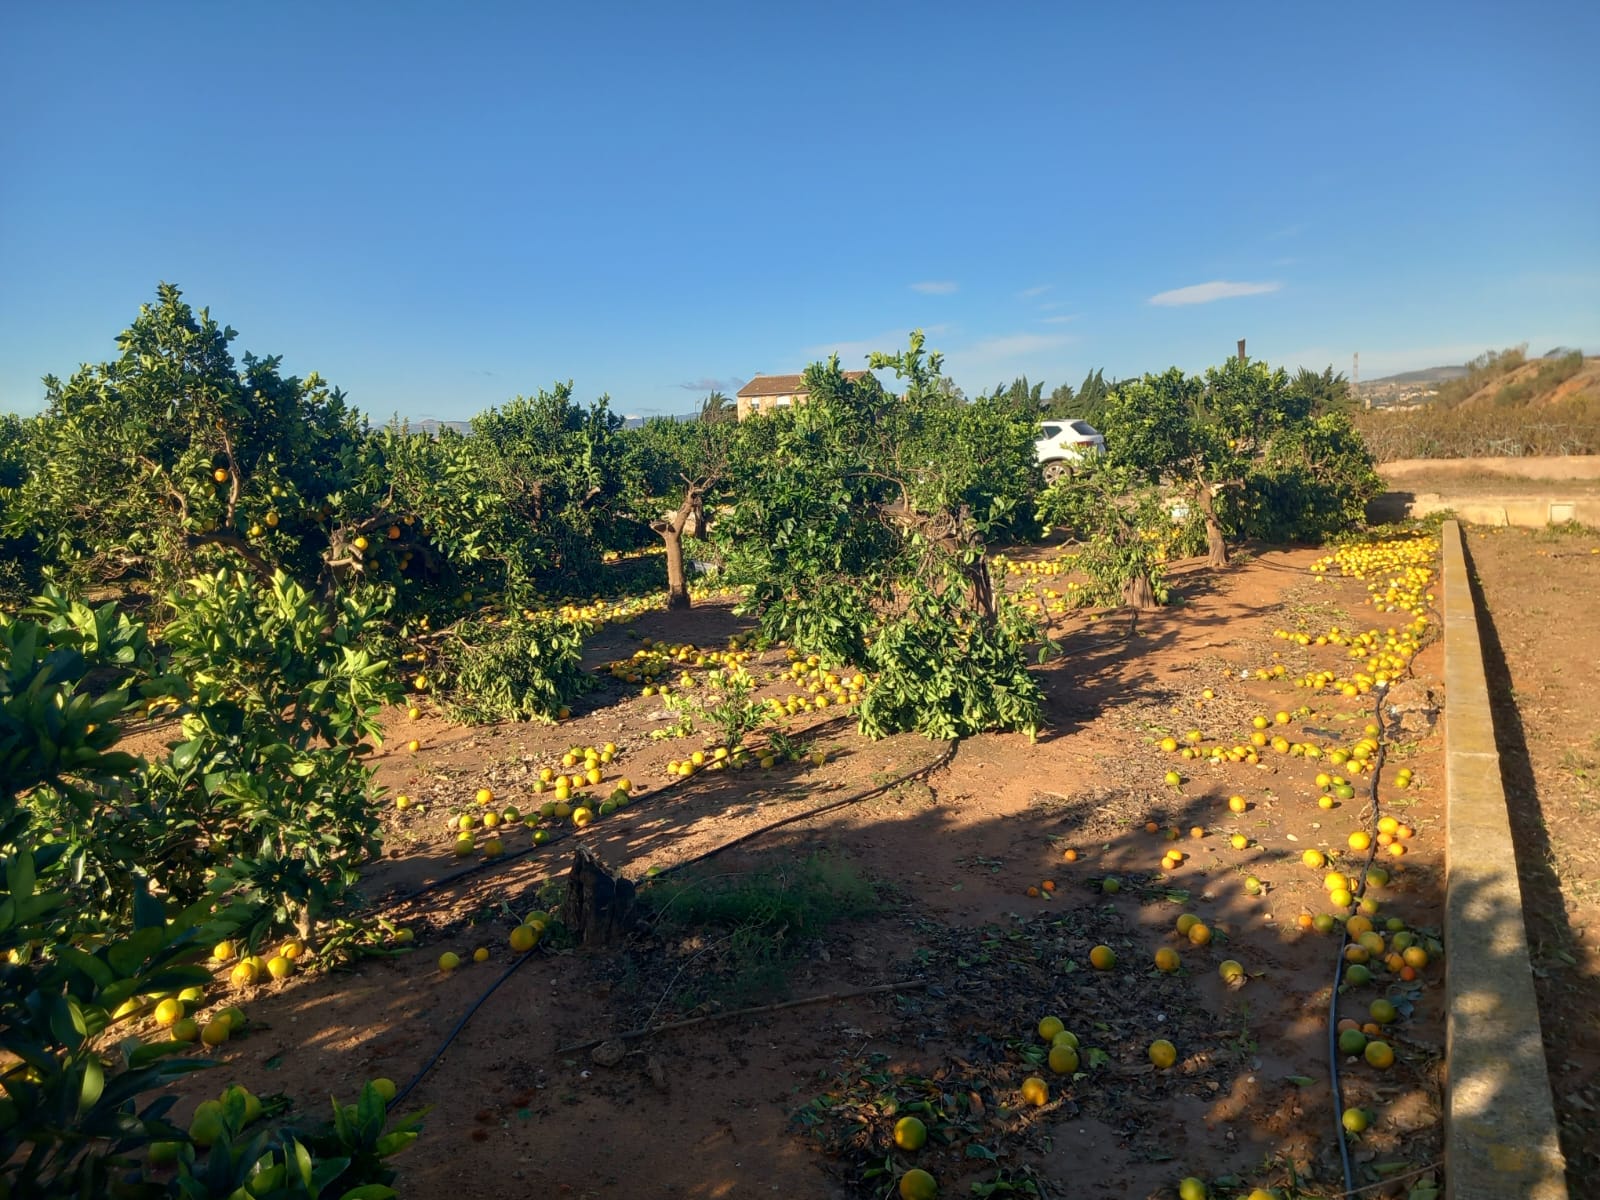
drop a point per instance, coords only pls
(1049, 431)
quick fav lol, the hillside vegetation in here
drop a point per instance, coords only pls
(1505, 405)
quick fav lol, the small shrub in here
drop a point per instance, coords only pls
(519, 669)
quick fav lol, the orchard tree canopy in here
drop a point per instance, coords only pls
(1219, 437)
(174, 448)
(861, 523)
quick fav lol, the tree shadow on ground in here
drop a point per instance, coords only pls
(1549, 933)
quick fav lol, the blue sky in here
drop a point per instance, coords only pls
(438, 206)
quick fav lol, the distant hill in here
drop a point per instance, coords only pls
(1426, 375)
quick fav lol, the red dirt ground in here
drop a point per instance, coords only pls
(731, 1108)
(1539, 590)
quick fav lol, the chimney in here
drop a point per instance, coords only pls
(1241, 349)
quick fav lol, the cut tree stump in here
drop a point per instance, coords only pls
(599, 905)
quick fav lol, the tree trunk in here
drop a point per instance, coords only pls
(1137, 592)
(677, 583)
(1216, 547)
(599, 906)
(671, 531)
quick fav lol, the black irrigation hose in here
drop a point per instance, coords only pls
(1344, 940)
(459, 1026)
(505, 860)
(945, 756)
(1338, 965)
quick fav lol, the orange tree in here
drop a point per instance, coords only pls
(19, 548)
(1245, 450)
(861, 522)
(173, 449)
(81, 1114)
(671, 471)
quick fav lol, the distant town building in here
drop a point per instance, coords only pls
(766, 393)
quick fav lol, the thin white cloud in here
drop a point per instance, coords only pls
(935, 287)
(1014, 345)
(1030, 293)
(1061, 320)
(1206, 293)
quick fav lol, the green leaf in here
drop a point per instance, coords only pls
(94, 1082)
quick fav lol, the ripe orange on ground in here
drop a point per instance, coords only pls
(1167, 959)
(1102, 958)
(1163, 1053)
(1200, 934)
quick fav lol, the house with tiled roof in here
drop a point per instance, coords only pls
(767, 393)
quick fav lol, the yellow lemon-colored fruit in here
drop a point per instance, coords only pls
(1314, 859)
(1163, 1053)
(481, 954)
(1230, 969)
(1167, 960)
(1200, 934)
(186, 1029)
(449, 961)
(1379, 1054)
(1063, 1060)
(216, 1031)
(1355, 1120)
(242, 975)
(917, 1184)
(234, 1016)
(280, 967)
(1102, 958)
(168, 1011)
(1187, 922)
(206, 1126)
(1192, 1188)
(385, 1088)
(523, 938)
(222, 951)
(1049, 1027)
(1035, 1091)
(910, 1133)
(582, 817)
(484, 796)
(1065, 1038)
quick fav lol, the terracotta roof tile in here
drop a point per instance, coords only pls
(782, 385)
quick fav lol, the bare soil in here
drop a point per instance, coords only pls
(1541, 625)
(801, 1102)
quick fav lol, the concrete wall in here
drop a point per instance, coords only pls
(1562, 466)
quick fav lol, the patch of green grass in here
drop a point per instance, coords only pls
(758, 923)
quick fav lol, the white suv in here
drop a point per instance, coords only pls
(1061, 445)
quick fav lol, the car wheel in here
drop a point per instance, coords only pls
(1057, 468)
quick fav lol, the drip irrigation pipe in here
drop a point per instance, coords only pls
(505, 860)
(459, 1026)
(945, 756)
(1350, 1188)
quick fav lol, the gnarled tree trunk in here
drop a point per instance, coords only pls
(1216, 547)
(672, 530)
(599, 906)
